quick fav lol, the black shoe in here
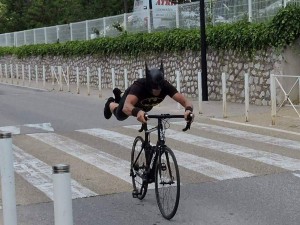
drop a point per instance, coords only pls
(107, 112)
(117, 92)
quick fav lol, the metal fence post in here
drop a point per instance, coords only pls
(250, 10)
(177, 16)
(63, 213)
(7, 180)
(71, 31)
(149, 20)
(104, 26)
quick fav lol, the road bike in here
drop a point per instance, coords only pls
(157, 164)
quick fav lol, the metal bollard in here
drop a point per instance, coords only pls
(7, 180)
(63, 214)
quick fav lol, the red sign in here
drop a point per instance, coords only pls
(164, 2)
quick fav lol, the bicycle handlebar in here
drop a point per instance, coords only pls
(167, 116)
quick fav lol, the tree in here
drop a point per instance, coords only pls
(16, 15)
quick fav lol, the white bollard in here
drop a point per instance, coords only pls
(29, 75)
(126, 78)
(273, 99)
(200, 91)
(113, 78)
(7, 180)
(178, 85)
(246, 97)
(6, 75)
(224, 95)
(63, 213)
(36, 75)
(100, 82)
(44, 76)
(140, 73)
(60, 78)
(17, 73)
(77, 79)
(1, 73)
(11, 74)
(88, 80)
(23, 75)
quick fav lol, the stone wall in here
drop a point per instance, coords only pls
(188, 63)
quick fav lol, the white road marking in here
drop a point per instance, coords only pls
(39, 174)
(244, 134)
(17, 129)
(43, 126)
(201, 165)
(296, 175)
(10, 129)
(111, 164)
(249, 153)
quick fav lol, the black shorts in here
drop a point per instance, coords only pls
(118, 112)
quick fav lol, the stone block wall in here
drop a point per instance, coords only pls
(188, 63)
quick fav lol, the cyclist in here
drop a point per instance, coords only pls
(142, 95)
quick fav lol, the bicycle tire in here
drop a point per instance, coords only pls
(138, 167)
(167, 183)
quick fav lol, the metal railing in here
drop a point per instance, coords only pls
(179, 16)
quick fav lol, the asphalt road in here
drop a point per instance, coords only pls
(231, 174)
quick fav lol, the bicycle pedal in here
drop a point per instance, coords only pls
(135, 193)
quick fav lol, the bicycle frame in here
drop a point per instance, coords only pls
(158, 164)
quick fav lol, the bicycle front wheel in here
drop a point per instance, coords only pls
(139, 168)
(167, 183)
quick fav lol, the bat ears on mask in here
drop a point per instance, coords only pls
(161, 67)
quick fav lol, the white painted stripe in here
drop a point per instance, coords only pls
(256, 126)
(110, 164)
(43, 126)
(296, 175)
(249, 153)
(11, 129)
(244, 134)
(201, 165)
(39, 174)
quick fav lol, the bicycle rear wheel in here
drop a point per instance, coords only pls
(167, 183)
(138, 168)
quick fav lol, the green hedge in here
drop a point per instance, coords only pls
(243, 37)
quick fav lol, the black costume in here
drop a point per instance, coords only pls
(146, 100)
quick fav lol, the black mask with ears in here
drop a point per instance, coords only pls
(154, 77)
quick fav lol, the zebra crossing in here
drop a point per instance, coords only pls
(102, 157)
